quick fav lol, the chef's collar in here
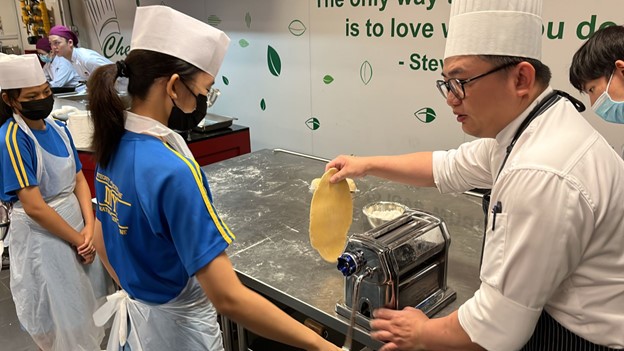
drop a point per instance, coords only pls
(505, 136)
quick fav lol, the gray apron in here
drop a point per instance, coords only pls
(53, 292)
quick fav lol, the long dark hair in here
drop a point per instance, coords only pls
(6, 111)
(142, 67)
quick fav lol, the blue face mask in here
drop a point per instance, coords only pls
(607, 109)
(45, 58)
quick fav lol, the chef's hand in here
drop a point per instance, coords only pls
(400, 330)
(348, 167)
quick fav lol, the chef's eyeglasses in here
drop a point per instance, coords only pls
(456, 86)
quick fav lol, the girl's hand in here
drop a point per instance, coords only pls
(86, 248)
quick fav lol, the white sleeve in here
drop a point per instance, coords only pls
(463, 169)
(536, 243)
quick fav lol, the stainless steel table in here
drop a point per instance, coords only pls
(264, 198)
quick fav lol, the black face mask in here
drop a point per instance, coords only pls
(180, 120)
(37, 109)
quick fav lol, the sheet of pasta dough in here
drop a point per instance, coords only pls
(331, 213)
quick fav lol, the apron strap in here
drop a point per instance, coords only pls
(549, 335)
(116, 305)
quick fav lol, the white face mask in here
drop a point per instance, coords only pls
(607, 109)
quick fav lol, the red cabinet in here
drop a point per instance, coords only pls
(207, 148)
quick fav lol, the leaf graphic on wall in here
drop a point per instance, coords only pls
(262, 105)
(297, 28)
(366, 72)
(425, 115)
(226, 81)
(248, 20)
(328, 79)
(243, 43)
(313, 123)
(213, 20)
(274, 62)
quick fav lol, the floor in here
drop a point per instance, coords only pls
(12, 338)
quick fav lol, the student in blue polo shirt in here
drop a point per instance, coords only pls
(52, 253)
(157, 229)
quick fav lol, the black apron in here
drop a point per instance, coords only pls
(548, 335)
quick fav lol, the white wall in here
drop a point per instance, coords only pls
(9, 33)
(373, 118)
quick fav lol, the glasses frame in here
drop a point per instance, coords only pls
(461, 82)
(212, 95)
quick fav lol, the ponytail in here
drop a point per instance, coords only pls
(107, 113)
(142, 68)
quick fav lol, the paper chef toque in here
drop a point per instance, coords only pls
(162, 29)
(495, 27)
(20, 71)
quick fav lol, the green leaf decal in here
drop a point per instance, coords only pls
(425, 115)
(262, 105)
(226, 81)
(274, 62)
(366, 72)
(213, 20)
(297, 28)
(313, 123)
(328, 79)
(248, 20)
(243, 43)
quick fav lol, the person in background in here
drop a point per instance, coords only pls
(598, 70)
(58, 71)
(64, 43)
(52, 255)
(157, 229)
(552, 276)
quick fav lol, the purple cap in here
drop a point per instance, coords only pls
(64, 32)
(43, 44)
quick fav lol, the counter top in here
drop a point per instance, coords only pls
(264, 198)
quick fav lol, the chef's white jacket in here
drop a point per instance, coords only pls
(61, 73)
(85, 61)
(558, 243)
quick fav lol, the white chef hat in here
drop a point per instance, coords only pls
(163, 29)
(495, 27)
(20, 71)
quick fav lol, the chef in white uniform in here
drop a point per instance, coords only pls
(64, 43)
(552, 276)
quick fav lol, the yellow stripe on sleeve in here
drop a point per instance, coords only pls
(194, 167)
(12, 131)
